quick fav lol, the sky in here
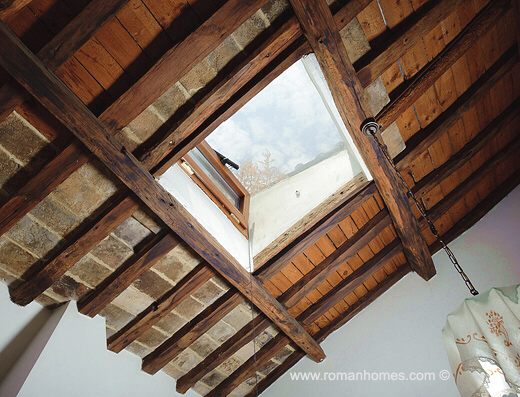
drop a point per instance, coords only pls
(288, 118)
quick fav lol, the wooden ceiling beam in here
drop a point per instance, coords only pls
(216, 312)
(422, 140)
(284, 47)
(334, 261)
(423, 80)
(187, 133)
(244, 371)
(320, 29)
(351, 282)
(237, 341)
(190, 332)
(404, 38)
(62, 47)
(356, 308)
(8, 8)
(275, 68)
(438, 210)
(179, 60)
(39, 280)
(50, 91)
(350, 204)
(464, 155)
(127, 273)
(159, 309)
(245, 335)
(479, 211)
(36, 189)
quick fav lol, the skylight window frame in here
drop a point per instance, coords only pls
(238, 216)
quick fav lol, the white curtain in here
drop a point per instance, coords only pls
(482, 339)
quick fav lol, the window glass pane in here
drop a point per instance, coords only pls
(215, 176)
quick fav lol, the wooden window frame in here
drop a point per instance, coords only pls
(238, 216)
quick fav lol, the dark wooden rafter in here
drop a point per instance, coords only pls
(127, 273)
(352, 311)
(18, 61)
(443, 206)
(79, 246)
(62, 47)
(311, 236)
(192, 129)
(191, 331)
(463, 156)
(159, 309)
(36, 189)
(245, 335)
(246, 369)
(286, 45)
(423, 139)
(73, 156)
(404, 38)
(319, 28)
(334, 261)
(8, 8)
(351, 282)
(179, 60)
(475, 29)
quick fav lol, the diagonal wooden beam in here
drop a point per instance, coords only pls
(405, 37)
(285, 42)
(190, 332)
(36, 189)
(18, 61)
(180, 59)
(127, 273)
(320, 29)
(351, 282)
(8, 8)
(244, 371)
(366, 233)
(62, 47)
(106, 223)
(356, 308)
(475, 29)
(456, 162)
(159, 309)
(185, 134)
(426, 137)
(334, 261)
(246, 334)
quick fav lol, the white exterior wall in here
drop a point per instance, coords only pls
(276, 209)
(401, 331)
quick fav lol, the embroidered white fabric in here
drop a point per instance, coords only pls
(482, 339)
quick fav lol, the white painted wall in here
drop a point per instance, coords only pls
(72, 359)
(206, 212)
(276, 209)
(401, 331)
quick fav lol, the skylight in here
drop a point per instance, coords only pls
(294, 153)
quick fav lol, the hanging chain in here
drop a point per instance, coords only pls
(370, 128)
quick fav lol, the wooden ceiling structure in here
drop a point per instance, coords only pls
(90, 79)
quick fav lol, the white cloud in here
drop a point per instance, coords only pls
(287, 118)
